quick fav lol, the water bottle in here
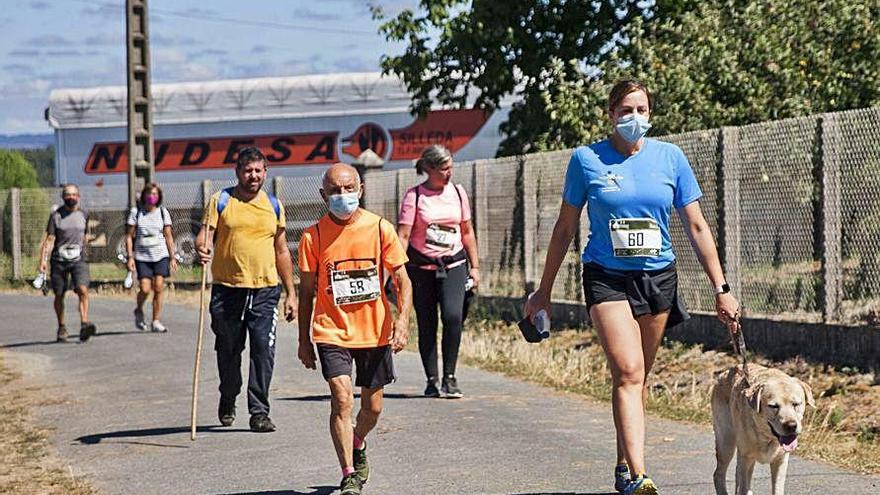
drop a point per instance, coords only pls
(39, 281)
(542, 323)
(129, 280)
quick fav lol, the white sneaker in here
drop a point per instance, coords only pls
(158, 327)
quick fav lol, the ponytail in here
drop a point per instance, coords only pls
(433, 156)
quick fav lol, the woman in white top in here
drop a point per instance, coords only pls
(149, 244)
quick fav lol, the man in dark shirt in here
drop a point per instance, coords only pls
(66, 237)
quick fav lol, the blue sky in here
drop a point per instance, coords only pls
(49, 44)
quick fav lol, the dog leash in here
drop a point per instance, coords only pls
(739, 344)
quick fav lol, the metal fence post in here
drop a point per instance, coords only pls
(481, 213)
(832, 261)
(15, 197)
(530, 221)
(277, 186)
(206, 193)
(369, 165)
(3, 207)
(471, 199)
(731, 211)
(399, 191)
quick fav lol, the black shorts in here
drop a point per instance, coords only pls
(375, 365)
(648, 292)
(150, 269)
(69, 275)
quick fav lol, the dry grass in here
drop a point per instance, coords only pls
(172, 296)
(844, 429)
(26, 466)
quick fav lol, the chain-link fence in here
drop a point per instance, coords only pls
(855, 158)
(794, 205)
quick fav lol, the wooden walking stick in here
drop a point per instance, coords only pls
(195, 392)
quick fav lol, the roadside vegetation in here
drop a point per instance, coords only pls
(843, 429)
(26, 464)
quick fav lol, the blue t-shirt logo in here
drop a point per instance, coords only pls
(613, 181)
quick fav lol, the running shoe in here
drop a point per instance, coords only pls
(621, 477)
(62, 334)
(642, 485)
(226, 413)
(86, 330)
(431, 389)
(260, 423)
(350, 485)
(158, 327)
(139, 321)
(450, 387)
(361, 466)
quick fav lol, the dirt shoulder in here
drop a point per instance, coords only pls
(843, 429)
(27, 463)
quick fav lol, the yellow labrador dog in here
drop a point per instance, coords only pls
(759, 420)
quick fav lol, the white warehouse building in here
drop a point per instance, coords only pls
(301, 123)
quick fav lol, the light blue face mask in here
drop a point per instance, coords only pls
(633, 127)
(343, 206)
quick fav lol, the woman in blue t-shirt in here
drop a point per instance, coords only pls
(630, 184)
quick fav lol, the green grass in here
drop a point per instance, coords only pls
(100, 271)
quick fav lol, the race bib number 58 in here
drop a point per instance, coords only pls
(631, 237)
(354, 286)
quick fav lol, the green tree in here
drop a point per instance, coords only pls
(710, 64)
(736, 62)
(43, 161)
(567, 108)
(485, 50)
(15, 171)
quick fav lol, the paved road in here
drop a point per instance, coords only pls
(121, 416)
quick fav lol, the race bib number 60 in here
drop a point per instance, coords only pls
(355, 286)
(632, 237)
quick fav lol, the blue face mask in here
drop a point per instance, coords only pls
(633, 127)
(343, 206)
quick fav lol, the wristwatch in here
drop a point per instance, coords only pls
(723, 289)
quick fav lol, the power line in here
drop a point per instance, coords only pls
(238, 21)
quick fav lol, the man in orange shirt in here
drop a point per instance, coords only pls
(343, 260)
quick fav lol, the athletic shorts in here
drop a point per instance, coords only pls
(150, 269)
(648, 292)
(375, 365)
(67, 275)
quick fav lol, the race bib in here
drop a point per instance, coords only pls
(355, 286)
(632, 237)
(440, 236)
(150, 240)
(69, 252)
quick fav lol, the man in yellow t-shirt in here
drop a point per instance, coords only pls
(245, 227)
(343, 260)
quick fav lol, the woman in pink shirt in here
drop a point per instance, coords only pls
(435, 225)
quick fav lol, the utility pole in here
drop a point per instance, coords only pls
(141, 168)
